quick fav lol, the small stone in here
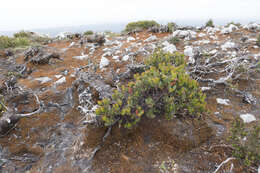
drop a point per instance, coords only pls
(205, 88)
(43, 79)
(228, 45)
(60, 81)
(104, 62)
(152, 38)
(223, 101)
(58, 76)
(130, 39)
(81, 57)
(125, 58)
(247, 118)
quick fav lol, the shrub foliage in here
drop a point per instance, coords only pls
(8, 42)
(144, 24)
(210, 23)
(163, 89)
(258, 40)
(22, 34)
(89, 32)
(245, 143)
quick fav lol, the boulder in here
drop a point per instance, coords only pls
(248, 118)
(252, 26)
(229, 29)
(169, 47)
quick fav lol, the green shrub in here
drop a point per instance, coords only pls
(145, 24)
(210, 23)
(89, 32)
(172, 26)
(23, 34)
(163, 89)
(233, 23)
(174, 40)
(258, 40)
(8, 42)
(245, 143)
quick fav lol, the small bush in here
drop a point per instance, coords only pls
(172, 26)
(89, 32)
(258, 40)
(22, 34)
(7, 42)
(233, 23)
(245, 143)
(145, 24)
(210, 23)
(163, 89)
(174, 40)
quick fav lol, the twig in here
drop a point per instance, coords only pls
(224, 162)
(35, 112)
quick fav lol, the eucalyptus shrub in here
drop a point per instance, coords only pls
(163, 89)
(144, 24)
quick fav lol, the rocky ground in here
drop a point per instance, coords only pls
(51, 93)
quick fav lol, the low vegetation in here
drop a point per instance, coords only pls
(163, 89)
(258, 40)
(23, 34)
(172, 26)
(33, 37)
(245, 143)
(174, 40)
(140, 25)
(210, 23)
(89, 32)
(9, 42)
(233, 23)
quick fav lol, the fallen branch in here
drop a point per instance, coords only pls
(224, 162)
(9, 119)
(35, 112)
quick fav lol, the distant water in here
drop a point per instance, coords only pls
(118, 27)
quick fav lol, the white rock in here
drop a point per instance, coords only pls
(223, 101)
(130, 39)
(229, 29)
(169, 47)
(188, 51)
(201, 42)
(82, 57)
(258, 169)
(252, 26)
(60, 81)
(151, 38)
(63, 35)
(213, 52)
(247, 118)
(201, 35)
(228, 45)
(103, 62)
(188, 34)
(43, 79)
(58, 76)
(205, 88)
(211, 30)
(115, 58)
(107, 54)
(125, 58)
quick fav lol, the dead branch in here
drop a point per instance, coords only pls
(224, 162)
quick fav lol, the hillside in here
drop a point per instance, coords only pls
(50, 91)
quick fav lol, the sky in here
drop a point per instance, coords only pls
(30, 14)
